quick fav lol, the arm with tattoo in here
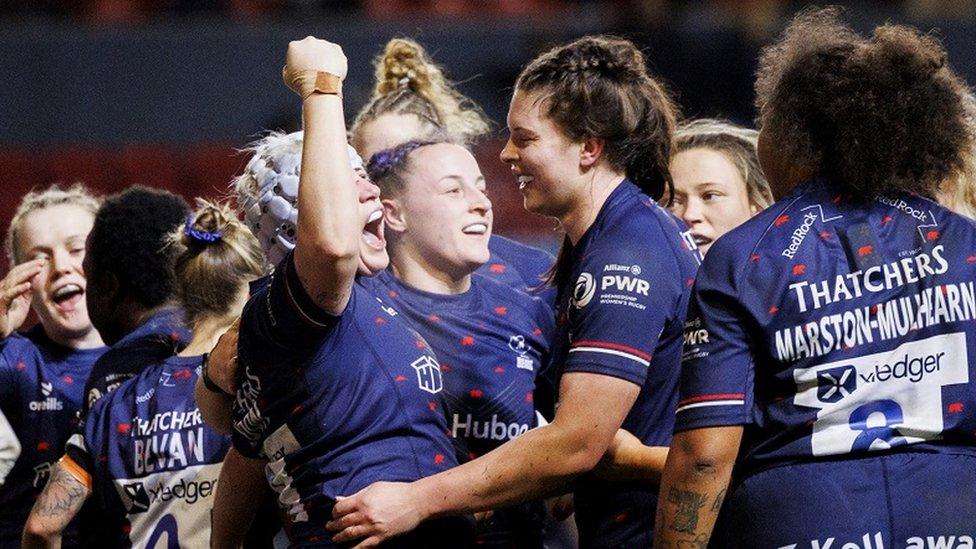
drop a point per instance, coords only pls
(693, 486)
(58, 503)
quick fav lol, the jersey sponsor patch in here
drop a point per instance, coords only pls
(174, 504)
(428, 374)
(882, 400)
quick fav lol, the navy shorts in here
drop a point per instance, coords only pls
(901, 500)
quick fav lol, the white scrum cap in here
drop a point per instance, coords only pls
(267, 191)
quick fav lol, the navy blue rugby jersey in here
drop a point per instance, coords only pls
(519, 266)
(335, 403)
(831, 327)
(491, 343)
(151, 461)
(621, 314)
(159, 337)
(40, 393)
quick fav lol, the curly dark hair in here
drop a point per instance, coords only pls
(875, 115)
(129, 239)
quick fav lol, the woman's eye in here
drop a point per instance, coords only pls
(710, 196)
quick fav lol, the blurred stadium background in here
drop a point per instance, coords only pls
(164, 92)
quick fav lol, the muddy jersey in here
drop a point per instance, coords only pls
(40, 392)
(621, 314)
(159, 337)
(519, 266)
(152, 461)
(830, 327)
(491, 342)
(335, 402)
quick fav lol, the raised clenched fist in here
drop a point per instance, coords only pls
(309, 56)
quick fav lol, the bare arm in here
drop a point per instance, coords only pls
(329, 228)
(629, 459)
(9, 448)
(693, 487)
(239, 493)
(59, 502)
(592, 407)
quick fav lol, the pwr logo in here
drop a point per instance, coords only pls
(836, 383)
(428, 374)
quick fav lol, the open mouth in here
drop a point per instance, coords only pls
(67, 296)
(524, 180)
(701, 240)
(373, 231)
(475, 228)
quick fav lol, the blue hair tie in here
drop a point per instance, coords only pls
(206, 237)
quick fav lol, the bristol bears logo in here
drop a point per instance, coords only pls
(836, 383)
(428, 374)
(583, 290)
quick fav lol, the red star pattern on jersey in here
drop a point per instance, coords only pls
(432, 406)
(434, 318)
(955, 407)
(123, 428)
(21, 365)
(439, 458)
(971, 259)
(420, 343)
(824, 235)
(886, 219)
(690, 282)
(400, 378)
(497, 268)
(781, 220)
(476, 393)
(501, 310)
(445, 368)
(43, 446)
(467, 341)
(799, 269)
(773, 310)
(932, 235)
(394, 294)
(865, 250)
(499, 370)
(529, 397)
(754, 258)
(380, 321)
(68, 379)
(182, 374)
(296, 409)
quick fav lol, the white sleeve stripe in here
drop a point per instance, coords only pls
(610, 352)
(710, 403)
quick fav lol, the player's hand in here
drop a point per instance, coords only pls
(612, 465)
(562, 507)
(222, 362)
(375, 514)
(15, 295)
(309, 56)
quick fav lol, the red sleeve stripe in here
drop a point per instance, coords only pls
(704, 398)
(610, 351)
(733, 399)
(613, 346)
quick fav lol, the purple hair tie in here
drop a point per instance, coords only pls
(387, 161)
(206, 237)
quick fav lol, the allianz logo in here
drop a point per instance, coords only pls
(492, 429)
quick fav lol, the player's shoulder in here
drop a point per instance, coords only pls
(508, 248)
(528, 305)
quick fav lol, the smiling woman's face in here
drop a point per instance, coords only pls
(709, 194)
(446, 214)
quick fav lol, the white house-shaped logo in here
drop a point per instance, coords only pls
(428, 374)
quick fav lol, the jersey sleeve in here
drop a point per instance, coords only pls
(82, 446)
(716, 387)
(282, 318)
(621, 302)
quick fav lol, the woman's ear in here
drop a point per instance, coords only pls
(394, 215)
(591, 151)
